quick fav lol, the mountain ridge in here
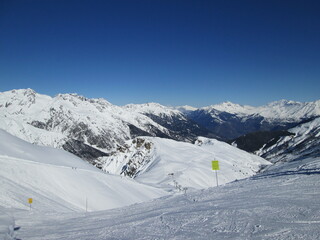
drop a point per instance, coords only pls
(229, 120)
(94, 127)
(71, 121)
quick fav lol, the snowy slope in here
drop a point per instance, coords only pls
(59, 181)
(282, 206)
(230, 121)
(178, 125)
(233, 108)
(74, 123)
(185, 108)
(165, 163)
(290, 110)
(152, 108)
(283, 109)
(69, 120)
(304, 142)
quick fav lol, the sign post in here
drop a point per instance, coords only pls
(30, 200)
(215, 166)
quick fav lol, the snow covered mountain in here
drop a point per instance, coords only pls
(229, 120)
(185, 109)
(302, 142)
(60, 181)
(86, 127)
(92, 128)
(283, 109)
(179, 126)
(172, 165)
(281, 202)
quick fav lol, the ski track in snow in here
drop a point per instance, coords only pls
(282, 207)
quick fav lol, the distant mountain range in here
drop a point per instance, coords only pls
(229, 120)
(93, 128)
(89, 128)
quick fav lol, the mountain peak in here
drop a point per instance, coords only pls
(186, 108)
(284, 102)
(231, 107)
(27, 92)
(77, 99)
(17, 100)
(69, 96)
(151, 108)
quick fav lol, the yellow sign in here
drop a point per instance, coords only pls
(30, 200)
(215, 165)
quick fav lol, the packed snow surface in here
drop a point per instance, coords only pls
(282, 205)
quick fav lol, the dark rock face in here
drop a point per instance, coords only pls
(138, 159)
(82, 150)
(225, 125)
(181, 128)
(38, 124)
(135, 131)
(81, 138)
(299, 146)
(82, 132)
(62, 120)
(252, 142)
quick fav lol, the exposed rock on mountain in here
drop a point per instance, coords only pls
(179, 126)
(175, 165)
(303, 142)
(87, 127)
(252, 142)
(230, 121)
(92, 128)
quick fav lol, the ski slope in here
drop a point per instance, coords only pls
(164, 163)
(282, 203)
(282, 206)
(59, 181)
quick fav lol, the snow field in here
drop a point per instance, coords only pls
(188, 165)
(59, 181)
(284, 207)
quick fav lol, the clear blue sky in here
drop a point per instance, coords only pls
(168, 51)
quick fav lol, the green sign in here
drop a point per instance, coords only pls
(215, 165)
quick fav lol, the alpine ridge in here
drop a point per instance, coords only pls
(229, 120)
(89, 128)
(94, 128)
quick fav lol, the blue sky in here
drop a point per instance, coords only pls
(174, 52)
